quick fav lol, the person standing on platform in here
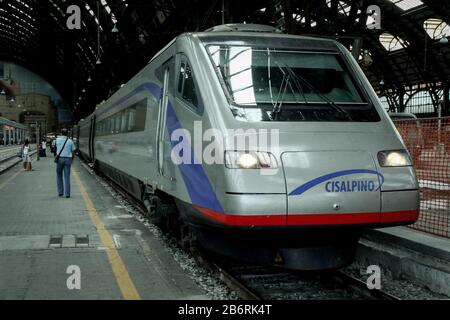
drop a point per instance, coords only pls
(44, 149)
(65, 152)
(53, 147)
(26, 156)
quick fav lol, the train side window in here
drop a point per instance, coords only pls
(124, 124)
(189, 90)
(141, 113)
(118, 123)
(131, 119)
(181, 77)
(113, 124)
(186, 85)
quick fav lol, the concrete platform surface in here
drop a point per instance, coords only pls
(409, 254)
(85, 247)
(416, 240)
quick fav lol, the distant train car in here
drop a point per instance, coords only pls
(180, 136)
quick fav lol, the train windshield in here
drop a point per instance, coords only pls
(277, 85)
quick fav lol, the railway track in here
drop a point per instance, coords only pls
(260, 283)
(5, 159)
(7, 162)
(361, 287)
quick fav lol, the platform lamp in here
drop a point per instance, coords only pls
(142, 38)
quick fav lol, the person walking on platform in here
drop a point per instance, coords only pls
(64, 156)
(26, 156)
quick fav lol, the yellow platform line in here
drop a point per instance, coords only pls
(123, 278)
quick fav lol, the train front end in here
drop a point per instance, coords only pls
(310, 160)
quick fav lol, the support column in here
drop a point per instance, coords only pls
(4, 136)
(356, 48)
(445, 104)
(401, 100)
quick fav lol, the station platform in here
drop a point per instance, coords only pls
(85, 247)
(409, 254)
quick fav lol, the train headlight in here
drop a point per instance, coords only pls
(394, 158)
(250, 160)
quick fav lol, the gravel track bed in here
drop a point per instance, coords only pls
(401, 288)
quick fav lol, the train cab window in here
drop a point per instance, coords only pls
(186, 85)
(267, 84)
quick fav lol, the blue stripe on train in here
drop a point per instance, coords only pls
(195, 178)
(197, 182)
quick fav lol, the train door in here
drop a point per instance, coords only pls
(91, 140)
(165, 165)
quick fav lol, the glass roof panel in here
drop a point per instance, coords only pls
(392, 43)
(436, 28)
(407, 4)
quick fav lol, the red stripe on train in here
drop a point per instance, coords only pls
(309, 219)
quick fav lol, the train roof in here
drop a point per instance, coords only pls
(284, 41)
(258, 35)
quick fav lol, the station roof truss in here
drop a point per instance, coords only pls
(118, 37)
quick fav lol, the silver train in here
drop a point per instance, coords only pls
(335, 164)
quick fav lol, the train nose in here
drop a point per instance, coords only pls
(332, 187)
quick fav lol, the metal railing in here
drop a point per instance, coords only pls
(428, 141)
